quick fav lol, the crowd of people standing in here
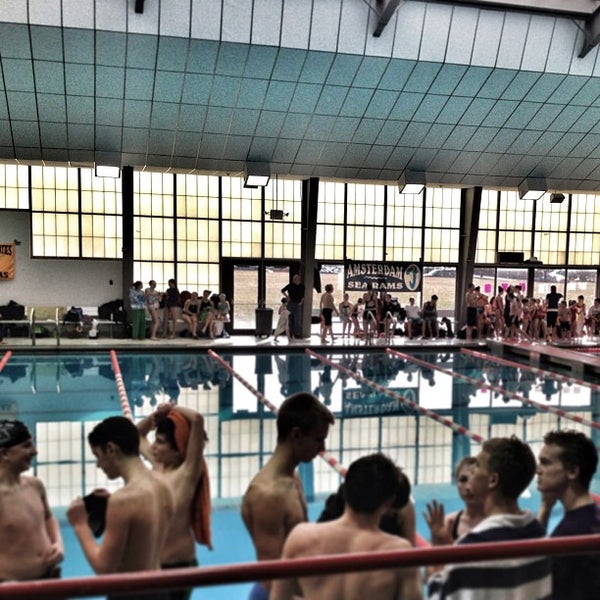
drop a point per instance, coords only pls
(203, 316)
(510, 314)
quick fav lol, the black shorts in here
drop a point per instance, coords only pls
(471, 316)
(327, 314)
(551, 317)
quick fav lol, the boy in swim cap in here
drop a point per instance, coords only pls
(32, 546)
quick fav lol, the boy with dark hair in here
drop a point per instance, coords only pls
(566, 465)
(373, 486)
(177, 453)
(32, 546)
(274, 502)
(504, 468)
(138, 515)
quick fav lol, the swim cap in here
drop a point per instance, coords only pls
(12, 433)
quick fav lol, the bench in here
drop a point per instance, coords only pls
(49, 317)
(90, 314)
(26, 321)
(37, 316)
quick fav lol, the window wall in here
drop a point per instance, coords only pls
(184, 225)
(14, 187)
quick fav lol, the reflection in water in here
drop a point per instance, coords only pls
(153, 378)
(68, 388)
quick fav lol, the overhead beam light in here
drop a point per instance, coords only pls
(384, 17)
(532, 188)
(107, 163)
(256, 174)
(557, 198)
(411, 182)
(107, 171)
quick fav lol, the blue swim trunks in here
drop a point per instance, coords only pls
(258, 592)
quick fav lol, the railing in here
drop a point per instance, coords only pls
(279, 569)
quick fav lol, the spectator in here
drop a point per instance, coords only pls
(390, 312)
(274, 502)
(504, 469)
(580, 312)
(207, 310)
(295, 295)
(137, 302)
(552, 300)
(189, 314)
(563, 321)
(471, 298)
(373, 486)
(221, 316)
(345, 311)
(593, 318)
(498, 308)
(283, 321)
(566, 465)
(430, 316)
(327, 307)
(358, 311)
(370, 321)
(171, 303)
(32, 546)
(153, 299)
(413, 317)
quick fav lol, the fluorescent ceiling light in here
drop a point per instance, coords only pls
(411, 182)
(108, 171)
(532, 188)
(256, 174)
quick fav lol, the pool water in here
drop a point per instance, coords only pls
(61, 397)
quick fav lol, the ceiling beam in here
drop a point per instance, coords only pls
(591, 33)
(385, 15)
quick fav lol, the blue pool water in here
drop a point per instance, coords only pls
(61, 397)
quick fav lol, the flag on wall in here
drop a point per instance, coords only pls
(7, 261)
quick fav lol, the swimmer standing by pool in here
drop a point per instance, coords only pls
(274, 502)
(32, 546)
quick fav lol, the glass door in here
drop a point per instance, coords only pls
(250, 285)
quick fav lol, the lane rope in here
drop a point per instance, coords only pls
(413, 405)
(495, 388)
(5, 359)
(328, 458)
(534, 370)
(120, 386)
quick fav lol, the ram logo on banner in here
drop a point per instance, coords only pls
(7, 261)
(387, 276)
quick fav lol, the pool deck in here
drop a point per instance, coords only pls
(536, 352)
(239, 343)
(571, 356)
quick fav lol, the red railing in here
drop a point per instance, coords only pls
(277, 569)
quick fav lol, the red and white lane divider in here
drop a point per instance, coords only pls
(496, 388)
(424, 411)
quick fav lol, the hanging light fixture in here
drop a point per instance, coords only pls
(256, 174)
(532, 188)
(411, 182)
(276, 214)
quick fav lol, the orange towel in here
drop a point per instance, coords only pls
(200, 509)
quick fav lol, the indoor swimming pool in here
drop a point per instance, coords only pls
(425, 410)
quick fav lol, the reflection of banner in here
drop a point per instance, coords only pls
(361, 403)
(7, 261)
(388, 276)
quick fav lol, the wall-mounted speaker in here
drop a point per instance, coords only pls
(510, 257)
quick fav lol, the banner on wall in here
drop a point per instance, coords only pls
(387, 276)
(7, 261)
